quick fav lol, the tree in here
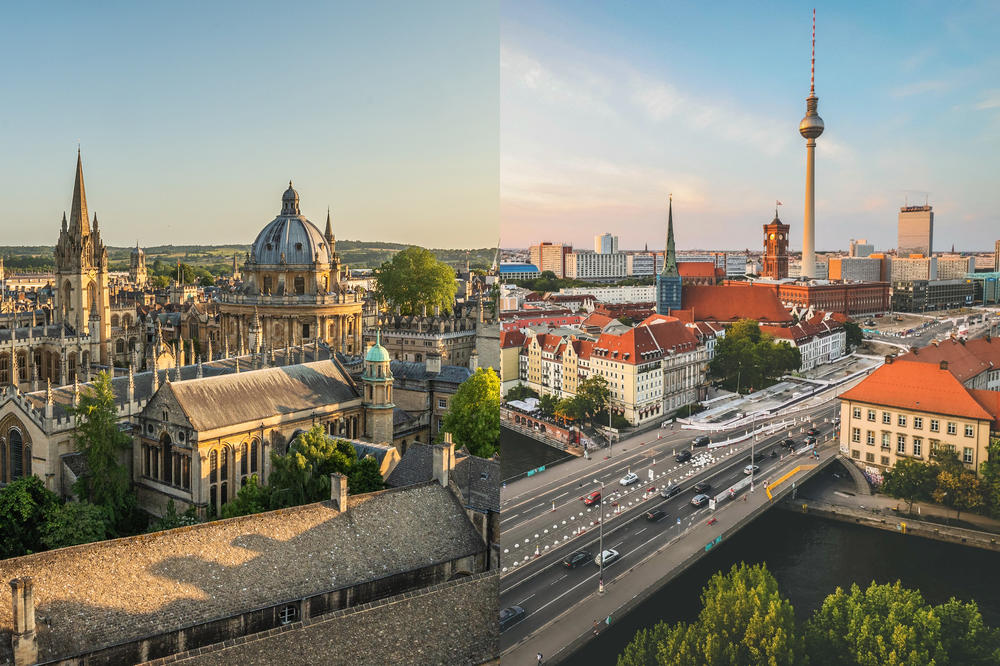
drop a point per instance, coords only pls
(74, 523)
(547, 404)
(365, 477)
(252, 498)
(910, 480)
(106, 483)
(990, 479)
(159, 281)
(743, 620)
(473, 417)
(855, 338)
(302, 475)
(959, 490)
(24, 504)
(746, 357)
(172, 519)
(890, 624)
(414, 279)
(520, 392)
(570, 409)
(593, 394)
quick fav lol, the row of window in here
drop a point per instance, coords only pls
(913, 447)
(918, 422)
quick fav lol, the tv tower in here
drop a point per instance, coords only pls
(810, 128)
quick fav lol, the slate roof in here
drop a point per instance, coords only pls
(452, 374)
(417, 466)
(258, 394)
(918, 386)
(109, 592)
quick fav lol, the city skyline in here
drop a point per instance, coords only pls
(594, 138)
(191, 130)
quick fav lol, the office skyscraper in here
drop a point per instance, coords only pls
(916, 231)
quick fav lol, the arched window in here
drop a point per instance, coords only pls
(3, 461)
(254, 452)
(4, 368)
(120, 346)
(114, 321)
(186, 471)
(213, 479)
(22, 367)
(166, 449)
(244, 462)
(92, 296)
(224, 475)
(16, 454)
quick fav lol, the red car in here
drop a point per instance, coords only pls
(593, 498)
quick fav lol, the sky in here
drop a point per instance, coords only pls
(606, 108)
(193, 116)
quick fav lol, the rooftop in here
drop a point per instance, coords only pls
(110, 592)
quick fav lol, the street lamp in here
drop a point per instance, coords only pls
(600, 551)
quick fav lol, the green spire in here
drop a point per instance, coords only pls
(670, 256)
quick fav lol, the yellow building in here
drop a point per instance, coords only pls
(908, 409)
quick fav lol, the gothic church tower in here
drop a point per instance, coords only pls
(82, 296)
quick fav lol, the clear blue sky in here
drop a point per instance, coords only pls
(608, 107)
(193, 116)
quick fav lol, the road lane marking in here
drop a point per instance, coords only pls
(523, 600)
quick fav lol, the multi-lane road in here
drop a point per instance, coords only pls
(544, 587)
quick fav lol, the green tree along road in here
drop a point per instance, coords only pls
(414, 279)
(745, 621)
(473, 417)
(945, 480)
(750, 359)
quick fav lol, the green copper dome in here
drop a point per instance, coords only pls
(377, 353)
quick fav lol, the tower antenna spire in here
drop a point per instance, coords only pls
(812, 67)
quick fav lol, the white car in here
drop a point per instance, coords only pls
(629, 479)
(751, 469)
(610, 555)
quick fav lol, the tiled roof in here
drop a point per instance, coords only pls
(963, 361)
(115, 591)
(921, 387)
(510, 339)
(728, 303)
(215, 402)
(990, 401)
(645, 343)
(695, 269)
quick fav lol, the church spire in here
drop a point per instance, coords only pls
(670, 255)
(78, 222)
(328, 234)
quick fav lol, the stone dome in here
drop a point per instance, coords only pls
(290, 238)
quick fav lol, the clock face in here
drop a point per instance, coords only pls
(772, 236)
(780, 236)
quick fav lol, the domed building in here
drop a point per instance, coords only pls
(293, 291)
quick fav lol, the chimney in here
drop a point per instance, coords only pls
(444, 460)
(23, 641)
(944, 365)
(433, 363)
(338, 491)
(888, 359)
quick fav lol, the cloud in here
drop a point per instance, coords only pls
(991, 100)
(921, 87)
(586, 91)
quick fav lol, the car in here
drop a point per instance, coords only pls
(593, 498)
(758, 457)
(683, 456)
(629, 479)
(512, 615)
(788, 443)
(577, 558)
(610, 555)
(670, 491)
(702, 487)
(654, 515)
(700, 441)
(835, 422)
(751, 469)
(812, 432)
(698, 500)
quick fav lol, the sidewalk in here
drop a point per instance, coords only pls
(560, 637)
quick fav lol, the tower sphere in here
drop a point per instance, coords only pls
(811, 126)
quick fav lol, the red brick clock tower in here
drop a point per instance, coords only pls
(775, 249)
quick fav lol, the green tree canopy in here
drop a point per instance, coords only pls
(103, 445)
(593, 393)
(302, 475)
(413, 279)
(24, 504)
(365, 477)
(855, 338)
(473, 417)
(74, 523)
(910, 480)
(520, 392)
(747, 358)
(990, 479)
(547, 404)
(743, 620)
(252, 498)
(890, 624)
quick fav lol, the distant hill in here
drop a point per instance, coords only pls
(218, 259)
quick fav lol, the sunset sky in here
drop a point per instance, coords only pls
(193, 117)
(608, 107)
